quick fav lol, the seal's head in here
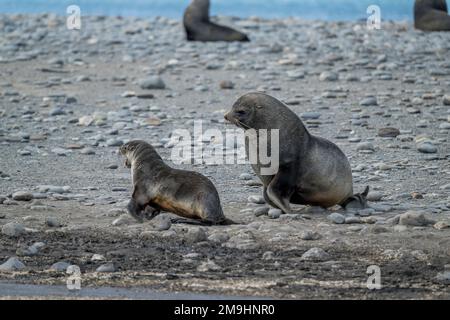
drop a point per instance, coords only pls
(244, 112)
(128, 150)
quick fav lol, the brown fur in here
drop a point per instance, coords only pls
(158, 187)
(312, 170)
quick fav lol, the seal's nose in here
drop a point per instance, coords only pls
(226, 116)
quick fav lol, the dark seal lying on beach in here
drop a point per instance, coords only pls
(312, 170)
(199, 28)
(431, 15)
(158, 187)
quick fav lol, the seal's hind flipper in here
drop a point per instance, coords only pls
(135, 210)
(190, 221)
(228, 222)
(365, 193)
(357, 201)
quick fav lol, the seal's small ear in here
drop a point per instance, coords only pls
(366, 192)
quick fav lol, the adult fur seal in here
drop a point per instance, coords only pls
(311, 171)
(158, 187)
(431, 15)
(199, 28)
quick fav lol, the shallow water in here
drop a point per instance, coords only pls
(308, 9)
(42, 291)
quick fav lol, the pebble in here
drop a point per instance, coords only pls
(12, 264)
(60, 266)
(261, 211)
(388, 132)
(195, 235)
(162, 222)
(310, 115)
(352, 220)
(441, 225)
(22, 196)
(268, 255)
(53, 189)
(226, 85)
(443, 277)
(363, 146)
(337, 218)
(87, 151)
(315, 255)
(245, 176)
(152, 82)
(53, 222)
(97, 257)
(114, 142)
(376, 229)
(61, 152)
(310, 235)
(427, 148)
(219, 237)
(256, 199)
(13, 229)
(57, 111)
(328, 76)
(446, 100)
(207, 266)
(375, 196)
(413, 218)
(368, 101)
(274, 213)
(106, 268)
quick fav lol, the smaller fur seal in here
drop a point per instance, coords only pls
(158, 187)
(431, 15)
(199, 28)
(311, 171)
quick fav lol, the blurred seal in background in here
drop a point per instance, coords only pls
(431, 15)
(199, 28)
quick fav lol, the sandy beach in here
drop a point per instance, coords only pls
(70, 98)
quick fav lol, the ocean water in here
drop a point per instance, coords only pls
(307, 9)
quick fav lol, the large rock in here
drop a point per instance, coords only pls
(316, 255)
(13, 229)
(12, 264)
(60, 266)
(416, 219)
(22, 196)
(152, 82)
(336, 218)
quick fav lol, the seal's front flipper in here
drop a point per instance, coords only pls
(150, 213)
(135, 210)
(281, 188)
(268, 200)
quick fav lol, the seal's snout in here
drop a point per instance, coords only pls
(227, 116)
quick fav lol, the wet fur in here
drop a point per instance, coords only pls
(312, 171)
(158, 187)
(198, 26)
